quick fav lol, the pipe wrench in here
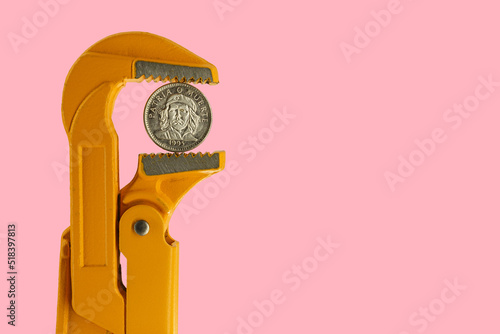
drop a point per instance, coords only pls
(107, 221)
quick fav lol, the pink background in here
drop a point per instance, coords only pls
(323, 174)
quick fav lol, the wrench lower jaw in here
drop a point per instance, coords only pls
(162, 180)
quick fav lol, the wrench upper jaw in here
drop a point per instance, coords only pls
(130, 57)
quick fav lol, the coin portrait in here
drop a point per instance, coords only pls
(177, 117)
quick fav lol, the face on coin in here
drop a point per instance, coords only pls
(177, 117)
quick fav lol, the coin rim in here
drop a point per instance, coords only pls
(149, 132)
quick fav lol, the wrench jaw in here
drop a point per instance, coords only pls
(131, 57)
(162, 179)
(152, 258)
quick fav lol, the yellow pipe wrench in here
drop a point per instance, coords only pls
(134, 220)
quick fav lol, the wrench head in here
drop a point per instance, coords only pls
(130, 57)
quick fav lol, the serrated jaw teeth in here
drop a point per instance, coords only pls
(151, 71)
(168, 163)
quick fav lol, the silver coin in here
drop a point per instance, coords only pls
(177, 117)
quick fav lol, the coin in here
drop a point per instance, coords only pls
(177, 117)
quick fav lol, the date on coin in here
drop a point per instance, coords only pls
(177, 117)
